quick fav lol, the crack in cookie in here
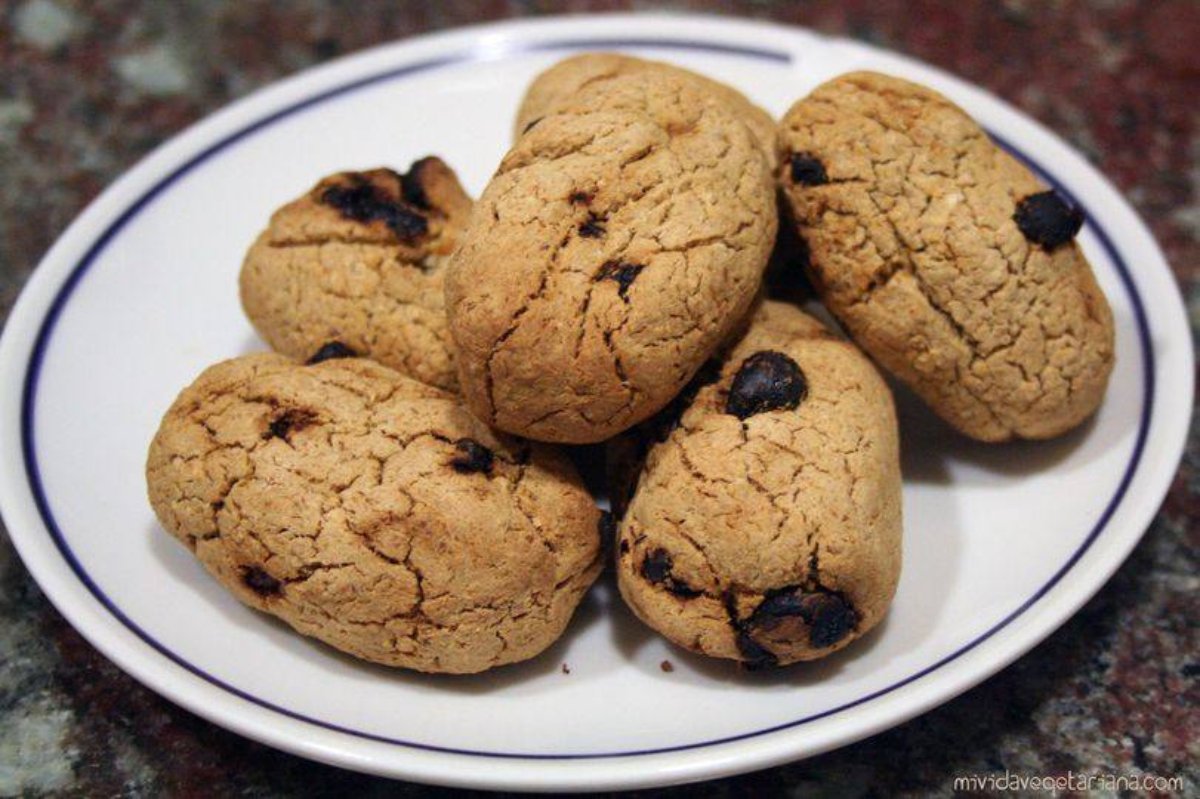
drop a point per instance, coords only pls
(374, 513)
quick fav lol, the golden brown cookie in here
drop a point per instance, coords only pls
(946, 259)
(559, 86)
(766, 526)
(358, 261)
(619, 242)
(374, 513)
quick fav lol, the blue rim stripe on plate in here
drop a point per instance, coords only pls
(46, 329)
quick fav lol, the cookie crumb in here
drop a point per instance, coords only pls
(666, 666)
(566, 669)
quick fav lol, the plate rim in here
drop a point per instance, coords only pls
(520, 33)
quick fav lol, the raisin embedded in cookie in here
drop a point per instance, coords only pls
(765, 526)
(945, 258)
(357, 263)
(373, 512)
(621, 240)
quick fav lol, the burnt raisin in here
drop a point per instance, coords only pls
(288, 422)
(766, 381)
(412, 185)
(471, 456)
(331, 350)
(1047, 219)
(260, 582)
(807, 170)
(624, 275)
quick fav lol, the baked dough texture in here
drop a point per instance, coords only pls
(372, 512)
(359, 260)
(766, 525)
(946, 259)
(558, 87)
(621, 239)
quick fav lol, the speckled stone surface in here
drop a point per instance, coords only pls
(89, 87)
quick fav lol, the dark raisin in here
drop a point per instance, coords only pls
(829, 616)
(580, 198)
(754, 654)
(260, 582)
(807, 170)
(593, 228)
(288, 422)
(681, 589)
(656, 566)
(364, 202)
(412, 184)
(407, 225)
(471, 456)
(330, 350)
(766, 381)
(1047, 219)
(622, 273)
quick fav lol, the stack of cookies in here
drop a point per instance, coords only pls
(394, 480)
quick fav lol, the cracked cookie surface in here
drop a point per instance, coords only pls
(558, 87)
(374, 513)
(945, 258)
(766, 524)
(359, 260)
(619, 242)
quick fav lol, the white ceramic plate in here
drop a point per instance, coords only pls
(1002, 543)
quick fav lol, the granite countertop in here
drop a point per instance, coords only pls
(90, 87)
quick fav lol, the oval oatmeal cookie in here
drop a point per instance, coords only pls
(374, 513)
(619, 242)
(358, 261)
(946, 259)
(766, 525)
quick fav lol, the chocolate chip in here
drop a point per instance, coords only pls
(622, 273)
(412, 184)
(288, 422)
(1047, 219)
(829, 616)
(766, 381)
(364, 202)
(471, 456)
(656, 566)
(330, 350)
(260, 582)
(593, 228)
(807, 170)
